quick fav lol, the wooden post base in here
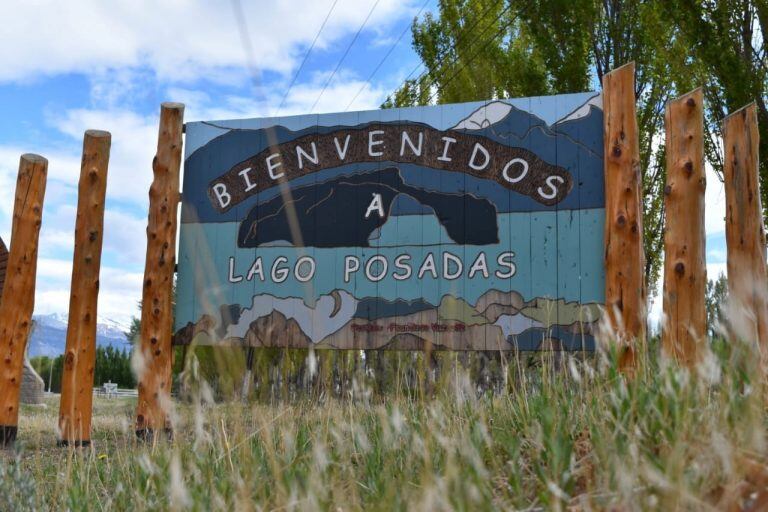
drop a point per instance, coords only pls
(77, 444)
(148, 434)
(8, 435)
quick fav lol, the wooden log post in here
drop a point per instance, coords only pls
(76, 403)
(18, 297)
(744, 231)
(3, 264)
(685, 269)
(624, 257)
(156, 312)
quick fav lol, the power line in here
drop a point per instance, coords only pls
(306, 56)
(381, 62)
(454, 47)
(487, 42)
(346, 52)
(469, 61)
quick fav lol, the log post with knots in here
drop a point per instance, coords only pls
(745, 232)
(685, 269)
(155, 345)
(624, 256)
(18, 296)
(76, 404)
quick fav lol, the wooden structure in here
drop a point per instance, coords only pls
(685, 270)
(157, 299)
(18, 297)
(3, 263)
(436, 227)
(744, 231)
(624, 256)
(80, 353)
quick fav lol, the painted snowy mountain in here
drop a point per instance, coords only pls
(49, 335)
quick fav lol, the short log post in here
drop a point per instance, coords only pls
(156, 313)
(76, 403)
(685, 269)
(624, 256)
(18, 297)
(744, 231)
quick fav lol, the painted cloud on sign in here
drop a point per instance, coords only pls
(317, 323)
(512, 325)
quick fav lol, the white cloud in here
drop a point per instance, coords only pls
(125, 238)
(179, 40)
(714, 199)
(134, 142)
(118, 294)
(336, 98)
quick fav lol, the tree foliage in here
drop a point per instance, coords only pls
(112, 365)
(717, 295)
(726, 42)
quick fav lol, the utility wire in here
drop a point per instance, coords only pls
(381, 62)
(346, 52)
(306, 56)
(454, 47)
(440, 87)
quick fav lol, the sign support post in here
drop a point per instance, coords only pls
(157, 299)
(18, 297)
(624, 257)
(685, 269)
(76, 404)
(744, 230)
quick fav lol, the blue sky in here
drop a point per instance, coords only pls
(86, 64)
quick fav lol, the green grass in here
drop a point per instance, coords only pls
(575, 435)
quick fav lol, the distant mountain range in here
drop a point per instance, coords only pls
(49, 335)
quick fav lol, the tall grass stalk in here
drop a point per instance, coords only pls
(564, 432)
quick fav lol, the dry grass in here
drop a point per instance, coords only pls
(576, 437)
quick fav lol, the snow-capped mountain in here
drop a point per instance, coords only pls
(49, 334)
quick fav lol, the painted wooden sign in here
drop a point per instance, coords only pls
(474, 226)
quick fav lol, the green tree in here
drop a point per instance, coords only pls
(112, 365)
(717, 295)
(726, 42)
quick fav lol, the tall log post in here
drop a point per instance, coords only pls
(744, 230)
(18, 297)
(3, 264)
(156, 312)
(76, 403)
(624, 257)
(685, 269)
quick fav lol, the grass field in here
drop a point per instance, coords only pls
(574, 436)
